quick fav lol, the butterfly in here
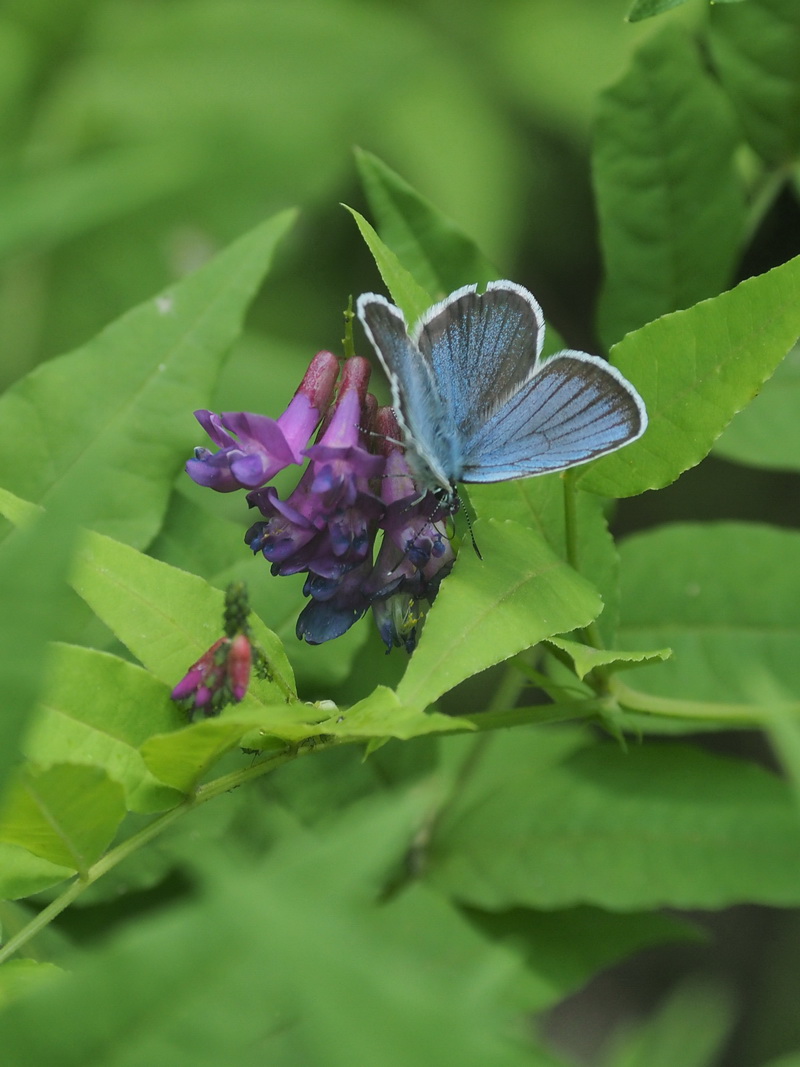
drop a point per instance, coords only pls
(477, 404)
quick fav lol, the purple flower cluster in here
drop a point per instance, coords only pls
(357, 483)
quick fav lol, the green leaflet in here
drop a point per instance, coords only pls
(725, 597)
(690, 1027)
(165, 616)
(695, 369)
(754, 48)
(767, 433)
(97, 710)
(645, 9)
(549, 820)
(234, 959)
(67, 814)
(409, 296)
(490, 609)
(431, 247)
(670, 200)
(116, 415)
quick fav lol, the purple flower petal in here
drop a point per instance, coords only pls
(253, 448)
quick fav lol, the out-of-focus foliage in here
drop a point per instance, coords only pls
(392, 893)
(139, 137)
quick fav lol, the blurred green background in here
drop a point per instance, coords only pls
(141, 136)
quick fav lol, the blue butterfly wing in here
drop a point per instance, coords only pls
(473, 400)
(429, 429)
(573, 408)
(480, 346)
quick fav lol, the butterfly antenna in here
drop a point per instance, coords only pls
(348, 345)
(469, 527)
(472, 537)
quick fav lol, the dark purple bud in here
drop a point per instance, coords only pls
(222, 674)
(240, 661)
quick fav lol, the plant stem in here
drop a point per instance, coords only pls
(570, 519)
(536, 715)
(45, 916)
(348, 347)
(97, 870)
(738, 714)
(589, 633)
(204, 793)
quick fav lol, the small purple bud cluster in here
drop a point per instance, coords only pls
(222, 674)
(357, 484)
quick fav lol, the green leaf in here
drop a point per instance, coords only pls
(166, 617)
(406, 292)
(645, 9)
(724, 597)
(781, 720)
(766, 433)
(19, 512)
(755, 48)
(37, 605)
(585, 658)
(22, 873)
(116, 414)
(19, 977)
(181, 758)
(691, 1028)
(541, 503)
(564, 949)
(695, 369)
(232, 980)
(67, 814)
(382, 714)
(457, 940)
(490, 609)
(97, 710)
(670, 201)
(546, 820)
(430, 246)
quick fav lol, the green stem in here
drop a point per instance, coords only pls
(204, 793)
(45, 916)
(571, 519)
(348, 346)
(590, 634)
(736, 714)
(227, 782)
(97, 870)
(535, 715)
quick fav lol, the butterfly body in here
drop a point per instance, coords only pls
(477, 404)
